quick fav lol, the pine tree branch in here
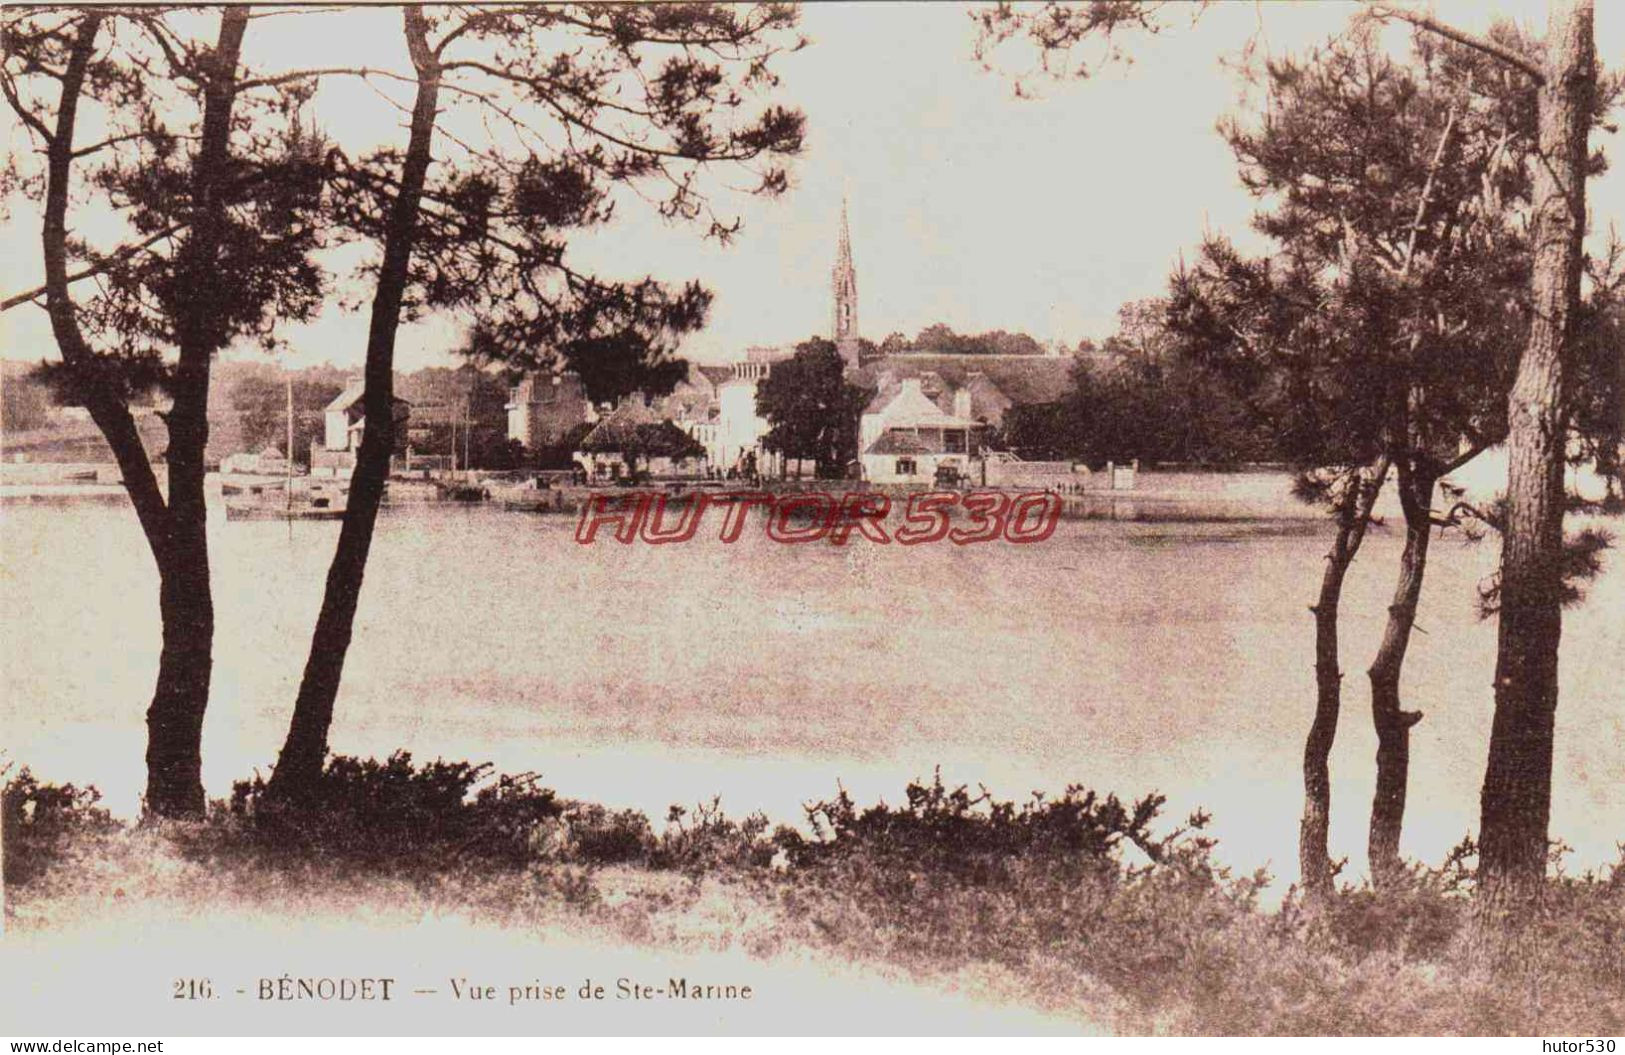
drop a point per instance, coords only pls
(1515, 59)
(28, 117)
(110, 412)
(101, 265)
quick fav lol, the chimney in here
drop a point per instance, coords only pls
(961, 402)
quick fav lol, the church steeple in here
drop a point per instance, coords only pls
(844, 284)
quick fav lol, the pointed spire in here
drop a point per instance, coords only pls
(843, 252)
(844, 282)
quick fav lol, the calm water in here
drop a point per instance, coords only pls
(1124, 657)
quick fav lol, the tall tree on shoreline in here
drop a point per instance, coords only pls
(1290, 340)
(1515, 810)
(1408, 179)
(569, 102)
(1377, 338)
(811, 409)
(1516, 801)
(201, 195)
(1536, 559)
(305, 750)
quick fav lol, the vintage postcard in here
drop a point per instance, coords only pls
(1083, 517)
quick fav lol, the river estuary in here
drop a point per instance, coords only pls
(1123, 656)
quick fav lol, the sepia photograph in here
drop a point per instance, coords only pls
(955, 519)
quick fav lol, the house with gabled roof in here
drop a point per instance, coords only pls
(632, 438)
(346, 419)
(992, 383)
(906, 437)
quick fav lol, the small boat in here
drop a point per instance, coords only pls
(263, 512)
(80, 476)
(462, 491)
(279, 500)
(271, 501)
(534, 495)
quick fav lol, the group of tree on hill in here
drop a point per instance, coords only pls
(1137, 395)
(940, 339)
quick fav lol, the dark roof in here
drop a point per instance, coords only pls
(895, 442)
(716, 374)
(1024, 379)
(634, 428)
(352, 394)
(689, 400)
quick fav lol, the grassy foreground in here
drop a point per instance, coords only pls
(1084, 905)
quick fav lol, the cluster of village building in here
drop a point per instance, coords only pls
(930, 415)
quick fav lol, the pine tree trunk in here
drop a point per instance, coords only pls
(1516, 800)
(304, 752)
(1353, 516)
(176, 529)
(1393, 723)
(185, 667)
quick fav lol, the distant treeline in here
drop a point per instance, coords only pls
(1140, 395)
(938, 339)
(24, 403)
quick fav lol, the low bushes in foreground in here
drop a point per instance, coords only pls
(38, 822)
(392, 816)
(1078, 895)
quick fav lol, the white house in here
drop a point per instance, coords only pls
(905, 437)
(739, 429)
(345, 422)
(344, 418)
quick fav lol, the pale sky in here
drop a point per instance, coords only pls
(968, 206)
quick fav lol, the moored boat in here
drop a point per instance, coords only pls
(317, 501)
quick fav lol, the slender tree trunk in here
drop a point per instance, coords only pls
(1393, 723)
(185, 666)
(304, 752)
(176, 529)
(1353, 511)
(1516, 799)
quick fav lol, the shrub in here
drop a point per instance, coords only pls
(951, 873)
(970, 834)
(39, 821)
(707, 840)
(399, 816)
(702, 841)
(1049, 890)
(597, 835)
(1077, 896)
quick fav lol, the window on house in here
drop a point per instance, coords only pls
(905, 467)
(953, 441)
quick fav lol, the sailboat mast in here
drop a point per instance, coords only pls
(289, 379)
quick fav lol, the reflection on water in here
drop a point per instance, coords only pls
(1121, 656)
